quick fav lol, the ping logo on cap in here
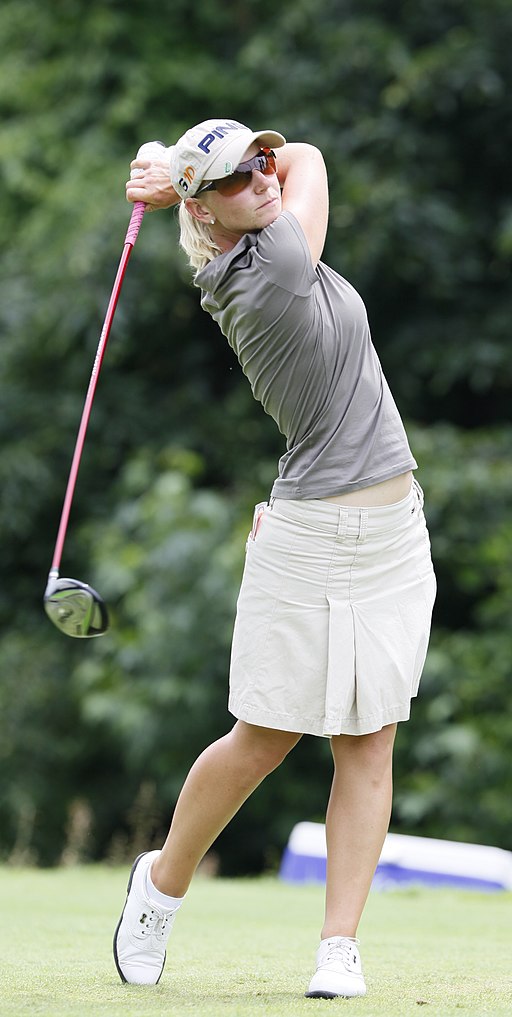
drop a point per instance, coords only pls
(218, 133)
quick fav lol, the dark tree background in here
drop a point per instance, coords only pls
(410, 103)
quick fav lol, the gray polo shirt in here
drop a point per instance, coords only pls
(302, 338)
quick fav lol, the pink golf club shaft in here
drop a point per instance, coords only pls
(131, 236)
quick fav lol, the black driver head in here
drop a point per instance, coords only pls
(75, 608)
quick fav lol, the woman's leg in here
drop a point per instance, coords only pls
(221, 779)
(357, 821)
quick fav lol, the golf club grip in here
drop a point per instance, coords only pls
(131, 236)
(135, 222)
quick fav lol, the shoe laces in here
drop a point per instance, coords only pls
(341, 949)
(155, 922)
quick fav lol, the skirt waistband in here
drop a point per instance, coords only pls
(342, 519)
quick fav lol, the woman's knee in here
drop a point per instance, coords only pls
(262, 749)
(372, 751)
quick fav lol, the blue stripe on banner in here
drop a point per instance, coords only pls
(312, 869)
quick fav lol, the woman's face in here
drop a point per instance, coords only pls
(251, 209)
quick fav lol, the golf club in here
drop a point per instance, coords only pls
(74, 607)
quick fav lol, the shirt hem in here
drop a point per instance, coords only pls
(288, 489)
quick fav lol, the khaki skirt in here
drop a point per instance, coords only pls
(333, 616)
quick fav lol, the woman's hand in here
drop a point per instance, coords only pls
(150, 179)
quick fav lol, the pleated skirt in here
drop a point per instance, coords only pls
(333, 616)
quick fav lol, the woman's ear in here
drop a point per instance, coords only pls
(198, 211)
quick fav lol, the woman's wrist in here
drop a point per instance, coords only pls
(150, 179)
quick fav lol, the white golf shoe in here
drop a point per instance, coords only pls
(141, 936)
(338, 971)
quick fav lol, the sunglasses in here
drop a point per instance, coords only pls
(264, 161)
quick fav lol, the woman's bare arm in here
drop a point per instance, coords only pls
(303, 177)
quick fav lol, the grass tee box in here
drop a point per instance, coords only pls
(245, 948)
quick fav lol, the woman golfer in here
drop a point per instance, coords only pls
(334, 610)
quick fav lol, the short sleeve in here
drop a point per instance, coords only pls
(283, 256)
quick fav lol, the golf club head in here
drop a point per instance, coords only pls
(75, 608)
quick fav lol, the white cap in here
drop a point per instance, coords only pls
(213, 150)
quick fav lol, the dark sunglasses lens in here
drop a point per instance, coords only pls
(270, 164)
(228, 186)
(265, 162)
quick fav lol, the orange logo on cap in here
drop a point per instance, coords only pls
(187, 178)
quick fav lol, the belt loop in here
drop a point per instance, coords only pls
(418, 490)
(342, 521)
(363, 523)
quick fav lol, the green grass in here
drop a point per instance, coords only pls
(245, 948)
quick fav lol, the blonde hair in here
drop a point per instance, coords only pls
(196, 240)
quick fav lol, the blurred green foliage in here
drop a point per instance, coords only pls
(410, 103)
